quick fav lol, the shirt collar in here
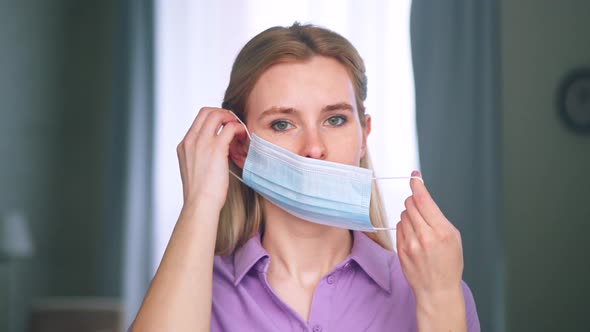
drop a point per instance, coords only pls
(374, 260)
(246, 257)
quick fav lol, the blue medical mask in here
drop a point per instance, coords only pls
(319, 191)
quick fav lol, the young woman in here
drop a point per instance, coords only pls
(295, 247)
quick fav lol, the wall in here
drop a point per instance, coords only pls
(56, 120)
(545, 166)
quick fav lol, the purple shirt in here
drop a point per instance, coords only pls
(366, 292)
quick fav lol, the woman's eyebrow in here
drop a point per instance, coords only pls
(337, 107)
(290, 110)
(277, 110)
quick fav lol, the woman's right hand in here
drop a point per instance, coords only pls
(180, 295)
(203, 157)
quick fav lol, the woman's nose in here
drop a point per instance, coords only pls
(314, 146)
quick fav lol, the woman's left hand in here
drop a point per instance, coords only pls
(430, 252)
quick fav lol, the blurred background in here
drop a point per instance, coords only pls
(95, 94)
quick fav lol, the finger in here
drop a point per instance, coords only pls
(198, 121)
(418, 223)
(214, 121)
(399, 232)
(409, 232)
(230, 131)
(399, 235)
(424, 202)
(410, 244)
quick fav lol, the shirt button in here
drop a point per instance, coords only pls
(317, 328)
(331, 279)
(346, 265)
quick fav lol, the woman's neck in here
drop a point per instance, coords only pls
(301, 250)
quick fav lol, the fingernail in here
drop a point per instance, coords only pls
(415, 173)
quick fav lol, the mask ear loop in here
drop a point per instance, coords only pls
(398, 178)
(243, 124)
(394, 178)
(250, 137)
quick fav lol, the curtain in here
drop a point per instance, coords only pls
(132, 194)
(455, 58)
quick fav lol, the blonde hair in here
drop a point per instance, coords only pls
(242, 214)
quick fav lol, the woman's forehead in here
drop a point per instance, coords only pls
(313, 84)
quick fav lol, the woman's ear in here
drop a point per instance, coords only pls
(366, 132)
(238, 150)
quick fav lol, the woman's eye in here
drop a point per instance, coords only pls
(281, 125)
(336, 121)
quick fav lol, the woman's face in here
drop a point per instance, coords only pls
(309, 108)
